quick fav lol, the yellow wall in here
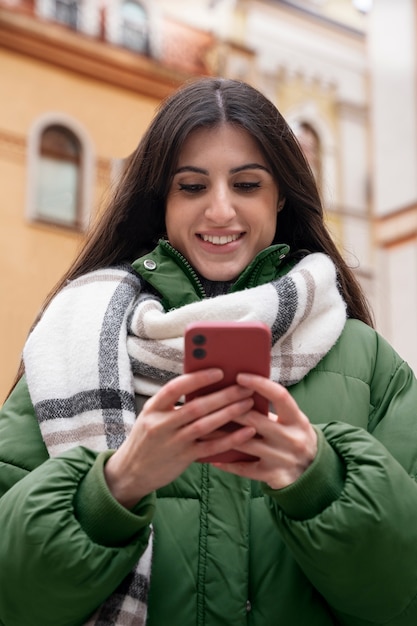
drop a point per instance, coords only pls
(113, 117)
(103, 88)
(34, 256)
(295, 91)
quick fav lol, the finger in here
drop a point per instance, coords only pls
(266, 425)
(284, 404)
(203, 406)
(287, 442)
(245, 469)
(275, 438)
(200, 428)
(205, 414)
(230, 441)
(206, 405)
(173, 390)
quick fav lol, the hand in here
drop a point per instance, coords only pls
(287, 444)
(166, 438)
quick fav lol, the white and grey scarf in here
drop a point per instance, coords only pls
(103, 339)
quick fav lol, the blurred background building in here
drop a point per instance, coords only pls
(80, 81)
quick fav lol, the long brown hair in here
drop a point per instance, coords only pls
(134, 218)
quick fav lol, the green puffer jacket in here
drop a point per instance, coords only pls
(339, 546)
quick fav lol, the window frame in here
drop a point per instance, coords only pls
(307, 113)
(317, 168)
(73, 10)
(85, 172)
(128, 26)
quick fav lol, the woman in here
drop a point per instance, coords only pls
(99, 507)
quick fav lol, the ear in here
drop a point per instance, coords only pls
(281, 204)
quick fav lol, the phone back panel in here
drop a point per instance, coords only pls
(232, 346)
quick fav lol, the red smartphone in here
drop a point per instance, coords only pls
(234, 347)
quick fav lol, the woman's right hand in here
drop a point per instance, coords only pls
(167, 438)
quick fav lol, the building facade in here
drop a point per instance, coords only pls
(393, 101)
(72, 105)
(81, 80)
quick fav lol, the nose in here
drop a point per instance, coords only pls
(220, 208)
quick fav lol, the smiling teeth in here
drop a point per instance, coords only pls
(219, 240)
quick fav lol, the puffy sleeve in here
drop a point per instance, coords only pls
(350, 520)
(65, 543)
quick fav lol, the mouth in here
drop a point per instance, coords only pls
(221, 240)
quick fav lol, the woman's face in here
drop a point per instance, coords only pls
(221, 207)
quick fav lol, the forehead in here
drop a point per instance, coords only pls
(222, 141)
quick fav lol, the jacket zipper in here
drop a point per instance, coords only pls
(257, 268)
(177, 256)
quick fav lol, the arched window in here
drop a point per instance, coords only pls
(58, 176)
(134, 26)
(60, 172)
(66, 12)
(310, 145)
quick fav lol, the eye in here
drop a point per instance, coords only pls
(247, 186)
(191, 187)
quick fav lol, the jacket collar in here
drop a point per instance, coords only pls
(169, 272)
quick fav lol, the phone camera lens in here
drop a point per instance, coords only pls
(199, 353)
(199, 340)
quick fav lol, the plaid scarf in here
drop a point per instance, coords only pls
(103, 327)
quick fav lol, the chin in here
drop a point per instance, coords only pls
(219, 272)
(219, 277)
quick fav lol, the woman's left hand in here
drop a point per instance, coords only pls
(287, 442)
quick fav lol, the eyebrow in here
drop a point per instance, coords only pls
(235, 170)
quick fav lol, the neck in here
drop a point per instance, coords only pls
(213, 288)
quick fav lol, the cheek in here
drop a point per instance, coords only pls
(171, 232)
(269, 225)
(170, 218)
(176, 229)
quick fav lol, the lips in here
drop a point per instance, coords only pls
(220, 240)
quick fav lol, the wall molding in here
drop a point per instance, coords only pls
(12, 144)
(396, 228)
(57, 45)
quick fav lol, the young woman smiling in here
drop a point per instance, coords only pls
(221, 207)
(106, 516)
